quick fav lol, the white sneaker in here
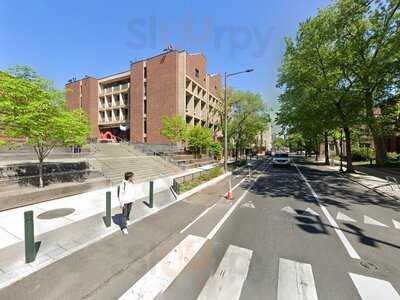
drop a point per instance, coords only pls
(125, 231)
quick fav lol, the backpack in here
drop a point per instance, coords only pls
(119, 188)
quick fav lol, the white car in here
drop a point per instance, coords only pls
(281, 159)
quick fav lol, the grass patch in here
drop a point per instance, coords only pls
(188, 185)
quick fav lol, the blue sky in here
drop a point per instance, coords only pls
(65, 39)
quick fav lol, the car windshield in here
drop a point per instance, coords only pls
(281, 155)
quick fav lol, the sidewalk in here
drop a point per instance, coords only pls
(68, 224)
(378, 184)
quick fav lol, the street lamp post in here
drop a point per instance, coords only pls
(226, 75)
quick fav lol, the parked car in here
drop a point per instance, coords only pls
(281, 159)
(268, 153)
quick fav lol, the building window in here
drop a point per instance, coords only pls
(145, 106)
(145, 72)
(145, 126)
(197, 73)
(145, 89)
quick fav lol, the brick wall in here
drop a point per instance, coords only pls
(197, 61)
(162, 93)
(136, 103)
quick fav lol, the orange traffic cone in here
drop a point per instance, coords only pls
(229, 195)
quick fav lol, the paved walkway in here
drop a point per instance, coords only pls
(379, 184)
(81, 225)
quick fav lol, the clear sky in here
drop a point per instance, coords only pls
(64, 39)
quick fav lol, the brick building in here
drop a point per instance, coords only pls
(131, 104)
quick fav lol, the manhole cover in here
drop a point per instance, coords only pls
(56, 213)
(368, 265)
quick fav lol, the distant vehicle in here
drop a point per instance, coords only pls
(268, 153)
(281, 159)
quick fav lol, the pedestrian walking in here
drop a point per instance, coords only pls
(126, 196)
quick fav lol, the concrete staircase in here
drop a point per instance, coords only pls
(113, 160)
(187, 161)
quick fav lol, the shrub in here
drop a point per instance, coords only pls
(362, 154)
(393, 155)
(216, 150)
(215, 172)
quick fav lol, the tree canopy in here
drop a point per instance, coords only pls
(343, 63)
(33, 111)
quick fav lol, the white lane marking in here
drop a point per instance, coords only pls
(229, 212)
(228, 280)
(370, 221)
(289, 210)
(296, 281)
(350, 250)
(396, 224)
(208, 209)
(159, 278)
(311, 212)
(198, 218)
(342, 217)
(249, 204)
(371, 288)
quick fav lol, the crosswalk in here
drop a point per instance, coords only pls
(296, 280)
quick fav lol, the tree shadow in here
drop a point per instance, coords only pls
(27, 174)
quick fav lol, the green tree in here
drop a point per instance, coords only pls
(29, 111)
(174, 129)
(199, 139)
(279, 143)
(248, 118)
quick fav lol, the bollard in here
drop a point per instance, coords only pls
(30, 251)
(108, 209)
(151, 194)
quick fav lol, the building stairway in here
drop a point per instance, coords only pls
(113, 160)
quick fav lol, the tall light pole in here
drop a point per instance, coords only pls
(226, 75)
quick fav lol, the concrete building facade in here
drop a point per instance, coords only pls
(131, 104)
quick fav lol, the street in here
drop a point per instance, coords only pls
(300, 232)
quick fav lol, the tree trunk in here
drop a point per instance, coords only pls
(380, 150)
(41, 173)
(349, 160)
(379, 143)
(326, 149)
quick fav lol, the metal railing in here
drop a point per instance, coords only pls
(178, 181)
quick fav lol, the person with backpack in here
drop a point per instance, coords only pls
(126, 195)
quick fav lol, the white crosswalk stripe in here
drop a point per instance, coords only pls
(295, 281)
(371, 221)
(157, 280)
(342, 217)
(228, 280)
(396, 224)
(371, 288)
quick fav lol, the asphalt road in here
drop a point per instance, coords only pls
(291, 233)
